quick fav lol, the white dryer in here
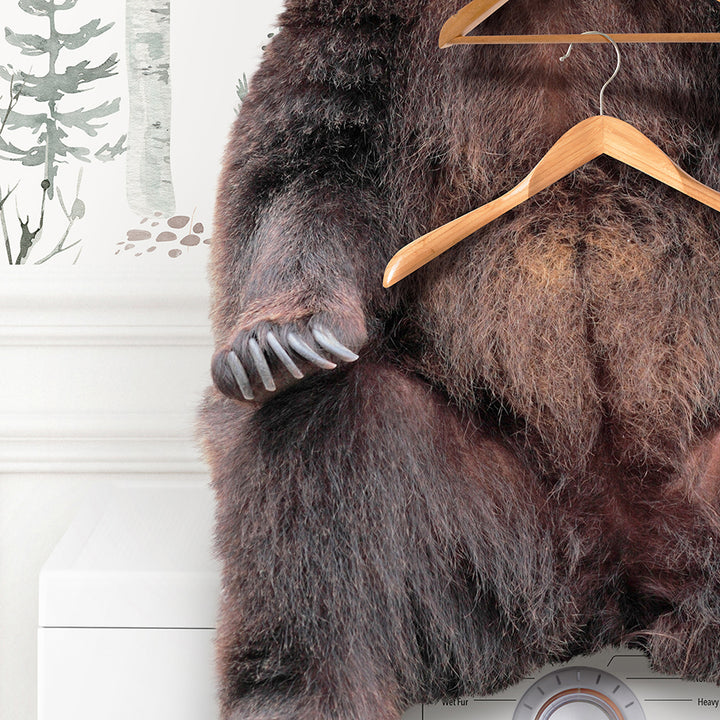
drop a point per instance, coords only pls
(128, 604)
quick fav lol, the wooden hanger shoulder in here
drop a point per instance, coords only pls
(627, 144)
(467, 19)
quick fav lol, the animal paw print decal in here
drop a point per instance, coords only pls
(174, 234)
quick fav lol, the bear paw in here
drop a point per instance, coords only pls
(269, 357)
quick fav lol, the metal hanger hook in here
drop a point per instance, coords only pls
(617, 68)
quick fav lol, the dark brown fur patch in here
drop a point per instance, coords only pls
(523, 464)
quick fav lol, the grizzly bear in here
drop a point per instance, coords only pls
(512, 456)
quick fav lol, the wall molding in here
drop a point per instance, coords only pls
(95, 456)
(49, 335)
(102, 306)
(127, 443)
(153, 326)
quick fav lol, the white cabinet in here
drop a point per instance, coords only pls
(128, 604)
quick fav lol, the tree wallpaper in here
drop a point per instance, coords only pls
(149, 181)
(113, 117)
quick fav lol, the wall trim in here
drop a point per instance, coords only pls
(112, 315)
(49, 335)
(99, 443)
(101, 306)
(96, 456)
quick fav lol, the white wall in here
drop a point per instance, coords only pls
(100, 377)
(102, 363)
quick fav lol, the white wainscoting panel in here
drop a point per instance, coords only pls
(102, 372)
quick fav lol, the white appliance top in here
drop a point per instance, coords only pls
(138, 555)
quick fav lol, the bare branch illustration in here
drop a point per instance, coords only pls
(29, 237)
(3, 222)
(242, 90)
(77, 212)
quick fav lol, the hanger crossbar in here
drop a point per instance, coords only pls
(456, 28)
(562, 39)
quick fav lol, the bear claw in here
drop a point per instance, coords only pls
(329, 342)
(240, 375)
(264, 360)
(261, 365)
(304, 350)
(283, 356)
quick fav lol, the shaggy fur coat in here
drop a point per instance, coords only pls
(524, 462)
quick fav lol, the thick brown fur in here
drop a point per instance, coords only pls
(524, 463)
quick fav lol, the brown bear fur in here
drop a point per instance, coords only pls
(524, 463)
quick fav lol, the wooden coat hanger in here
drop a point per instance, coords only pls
(597, 135)
(456, 28)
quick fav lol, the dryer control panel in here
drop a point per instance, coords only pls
(615, 685)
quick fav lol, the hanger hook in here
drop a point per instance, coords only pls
(617, 68)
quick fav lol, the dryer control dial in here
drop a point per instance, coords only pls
(579, 693)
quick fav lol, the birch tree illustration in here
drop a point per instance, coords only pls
(149, 180)
(53, 125)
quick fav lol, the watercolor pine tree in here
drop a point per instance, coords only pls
(59, 130)
(54, 122)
